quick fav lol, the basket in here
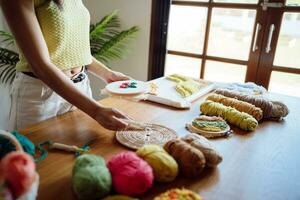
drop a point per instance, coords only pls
(5, 193)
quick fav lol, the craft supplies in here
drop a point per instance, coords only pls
(131, 175)
(178, 194)
(233, 116)
(212, 156)
(90, 177)
(6, 146)
(209, 127)
(164, 166)
(241, 106)
(248, 88)
(127, 88)
(185, 86)
(119, 197)
(191, 161)
(18, 169)
(128, 85)
(167, 94)
(54, 145)
(149, 134)
(271, 109)
(18, 178)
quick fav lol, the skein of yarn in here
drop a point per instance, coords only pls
(271, 109)
(18, 169)
(233, 116)
(131, 175)
(212, 157)
(241, 106)
(90, 177)
(164, 166)
(191, 161)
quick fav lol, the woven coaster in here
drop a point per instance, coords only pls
(153, 134)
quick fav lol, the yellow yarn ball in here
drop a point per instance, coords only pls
(164, 166)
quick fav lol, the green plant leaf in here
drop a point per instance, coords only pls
(7, 38)
(116, 48)
(8, 61)
(107, 26)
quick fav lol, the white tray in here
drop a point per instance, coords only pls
(167, 94)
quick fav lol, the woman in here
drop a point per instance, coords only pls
(53, 38)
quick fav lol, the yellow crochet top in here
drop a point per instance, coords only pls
(66, 32)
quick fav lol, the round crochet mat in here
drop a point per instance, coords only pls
(153, 134)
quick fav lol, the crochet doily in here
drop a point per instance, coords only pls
(152, 134)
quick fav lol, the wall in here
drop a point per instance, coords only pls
(131, 12)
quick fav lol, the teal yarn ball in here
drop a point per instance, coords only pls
(6, 146)
(90, 177)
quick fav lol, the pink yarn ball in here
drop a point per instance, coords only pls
(131, 175)
(18, 170)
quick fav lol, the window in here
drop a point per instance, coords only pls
(234, 37)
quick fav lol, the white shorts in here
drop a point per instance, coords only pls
(32, 101)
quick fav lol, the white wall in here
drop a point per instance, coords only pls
(131, 13)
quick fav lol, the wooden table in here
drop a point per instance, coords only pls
(261, 165)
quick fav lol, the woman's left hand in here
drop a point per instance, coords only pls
(114, 76)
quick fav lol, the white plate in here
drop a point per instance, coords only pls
(114, 87)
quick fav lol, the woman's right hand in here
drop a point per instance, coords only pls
(111, 118)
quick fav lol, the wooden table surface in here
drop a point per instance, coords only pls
(261, 165)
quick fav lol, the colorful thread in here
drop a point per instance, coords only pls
(131, 175)
(90, 177)
(178, 194)
(271, 109)
(233, 116)
(164, 166)
(241, 106)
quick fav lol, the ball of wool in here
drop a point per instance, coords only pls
(90, 177)
(191, 161)
(131, 175)
(212, 157)
(6, 146)
(183, 194)
(18, 170)
(119, 197)
(164, 166)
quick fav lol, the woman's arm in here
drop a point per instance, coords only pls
(103, 72)
(24, 25)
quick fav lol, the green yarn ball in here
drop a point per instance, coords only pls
(91, 178)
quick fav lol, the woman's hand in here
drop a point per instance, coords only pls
(113, 76)
(111, 118)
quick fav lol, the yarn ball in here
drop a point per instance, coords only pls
(6, 146)
(119, 197)
(178, 194)
(164, 166)
(131, 175)
(18, 170)
(212, 156)
(191, 161)
(90, 177)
